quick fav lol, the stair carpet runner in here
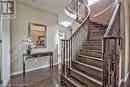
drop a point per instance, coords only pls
(87, 71)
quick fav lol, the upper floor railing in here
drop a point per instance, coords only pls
(77, 9)
(111, 50)
(70, 47)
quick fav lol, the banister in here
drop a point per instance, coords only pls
(111, 21)
(105, 10)
(71, 14)
(111, 50)
(69, 10)
(111, 37)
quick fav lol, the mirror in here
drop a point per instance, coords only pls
(38, 34)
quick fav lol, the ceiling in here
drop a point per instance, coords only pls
(54, 6)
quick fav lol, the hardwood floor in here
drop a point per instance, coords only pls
(38, 78)
(42, 78)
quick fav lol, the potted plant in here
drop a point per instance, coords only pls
(29, 44)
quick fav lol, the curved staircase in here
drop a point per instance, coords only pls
(83, 54)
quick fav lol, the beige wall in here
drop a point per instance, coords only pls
(125, 34)
(19, 31)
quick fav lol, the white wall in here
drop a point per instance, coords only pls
(67, 31)
(19, 31)
(5, 25)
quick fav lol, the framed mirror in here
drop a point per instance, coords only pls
(38, 34)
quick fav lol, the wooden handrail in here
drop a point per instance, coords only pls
(67, 11)
(112, 21)
(109, 37)
(105, 10)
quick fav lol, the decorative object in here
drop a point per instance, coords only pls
(30, 45)
(38, 34)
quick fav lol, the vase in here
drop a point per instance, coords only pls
(28, 52)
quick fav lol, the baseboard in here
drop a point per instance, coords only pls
(29, 70)
(121, 83)
(5, 83)
(124, 81)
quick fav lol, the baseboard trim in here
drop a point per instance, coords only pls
(5, 83)
(124, 81)
(121, 82)
(29, 70)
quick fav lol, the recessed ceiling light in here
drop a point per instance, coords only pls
(66, 24)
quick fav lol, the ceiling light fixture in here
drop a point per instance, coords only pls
(66, 24)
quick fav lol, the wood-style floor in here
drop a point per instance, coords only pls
(38, 78)
(43, 78)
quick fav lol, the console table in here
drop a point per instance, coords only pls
(36, 55)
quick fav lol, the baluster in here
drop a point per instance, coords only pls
(63, 58)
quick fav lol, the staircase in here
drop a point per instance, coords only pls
(88, 67)
(84, 54)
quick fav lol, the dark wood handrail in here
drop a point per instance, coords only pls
(112, 21)
(69, 11)
(109, 37)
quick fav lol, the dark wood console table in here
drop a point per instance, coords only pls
(36, 55)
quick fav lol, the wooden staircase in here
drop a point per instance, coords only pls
(90, 58)
(88, 66)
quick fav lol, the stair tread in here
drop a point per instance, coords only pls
(78, 84)
(87, 65)
(92, 50)
(93, 45)
(86, 76)
(96, 58)
(95, 40)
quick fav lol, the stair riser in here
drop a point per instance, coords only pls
(95, 24)
(94, 42)
(90, 61)
(95, 37)
(84, 80)
(90, 53)
(100, 29)
(96, 34)
(64, 80)
(93, 47)
(89, 71)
